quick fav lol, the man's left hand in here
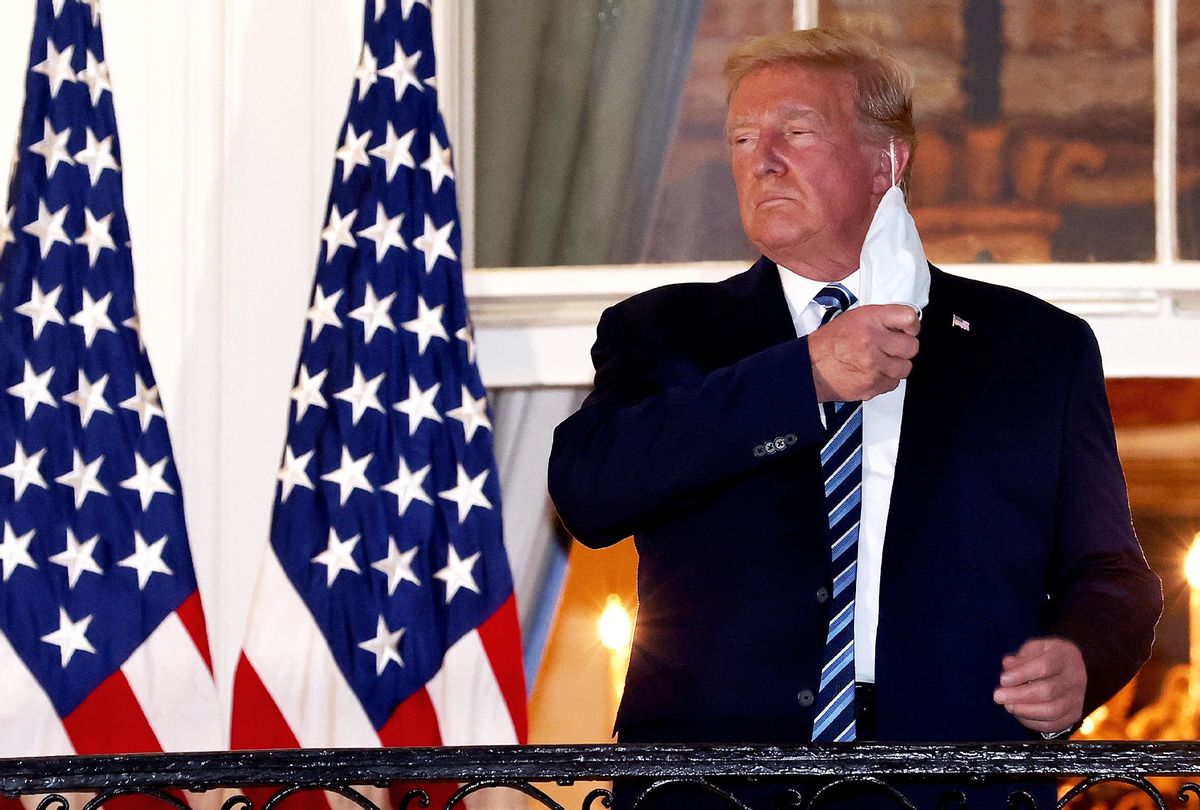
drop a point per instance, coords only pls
(1043, 684)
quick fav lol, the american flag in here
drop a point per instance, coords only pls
(103, 645)
(384, 610)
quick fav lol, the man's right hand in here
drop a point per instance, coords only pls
(864, 352)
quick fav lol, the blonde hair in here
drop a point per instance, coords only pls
(884, 85)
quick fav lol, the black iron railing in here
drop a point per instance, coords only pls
(1156, 771)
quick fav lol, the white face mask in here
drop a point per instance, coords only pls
(893, 263)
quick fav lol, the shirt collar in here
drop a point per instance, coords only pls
(799, 290)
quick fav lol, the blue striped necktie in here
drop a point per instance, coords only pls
(841, 468)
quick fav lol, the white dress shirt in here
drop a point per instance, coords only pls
(881, 441)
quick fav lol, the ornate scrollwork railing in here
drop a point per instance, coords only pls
(1157, 772)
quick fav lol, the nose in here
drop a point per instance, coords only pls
(767, 158)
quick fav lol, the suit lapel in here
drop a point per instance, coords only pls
(765, 319)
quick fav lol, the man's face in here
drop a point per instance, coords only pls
(807, 186)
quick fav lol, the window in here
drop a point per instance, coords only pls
(1058, 154)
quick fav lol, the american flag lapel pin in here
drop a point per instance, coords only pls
(960, 323)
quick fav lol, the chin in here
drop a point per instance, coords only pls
(774, 241)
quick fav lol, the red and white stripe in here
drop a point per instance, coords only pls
(288, 690)
(162, 698)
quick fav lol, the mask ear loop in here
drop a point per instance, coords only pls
(892, 155)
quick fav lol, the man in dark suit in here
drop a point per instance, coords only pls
(1001, 591)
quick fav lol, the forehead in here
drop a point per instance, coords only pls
(794, 90)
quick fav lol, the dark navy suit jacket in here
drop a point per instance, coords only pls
(1009, 515)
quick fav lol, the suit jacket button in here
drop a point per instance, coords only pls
(760, 451)
(805, 698)
(822, 595)
(780, 443)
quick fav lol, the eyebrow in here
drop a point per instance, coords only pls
(789, 112)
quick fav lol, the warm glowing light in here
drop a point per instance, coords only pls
(1191, 564)
(615, 626)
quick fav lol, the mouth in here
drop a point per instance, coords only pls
(773, 199)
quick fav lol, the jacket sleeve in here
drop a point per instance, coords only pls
(657, 431)
(1105, 598)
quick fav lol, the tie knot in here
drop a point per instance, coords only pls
(836, 299)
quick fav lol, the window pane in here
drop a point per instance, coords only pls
(599, 129)
(1035, 120)
(1189, 130)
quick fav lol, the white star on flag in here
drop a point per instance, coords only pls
(397, 566)
(409, 486)
(6, 234)
(48, 228)
(97, 156)
(374, 313)
(97, 236)
(133, 323)
(364, 74)
(145, 402)
(83, 478)
(353, 152)
(472, 413)
(70, 637)
(438, 164)
(337, 233)
(396, 151)
(385, 233)
(23, 470)
(147, 559)
(337, 557)
(148, 480)
(93, 318)
(57, 66)
(457, 574)
(77, 558)
(435, 242)
(419, 405)
(14, 551)
(427, 325)
(294, 472)
(362, 394)
(467, 336)
(406, 6)
(308, 391)
(89, 397)
(351, 475)
(467, 493)
(402, 71)
(34, 389)
(323, 312)
(385, 646)
(95, 76)
(95, 6)
(53, 147)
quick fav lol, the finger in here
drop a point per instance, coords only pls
(1032, 651)
(899, 344)
(1030, 669)
(1042, 691)
(895, 368)
(1039, 712)
(901, 318)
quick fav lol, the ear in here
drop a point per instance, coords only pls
(882, 178)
